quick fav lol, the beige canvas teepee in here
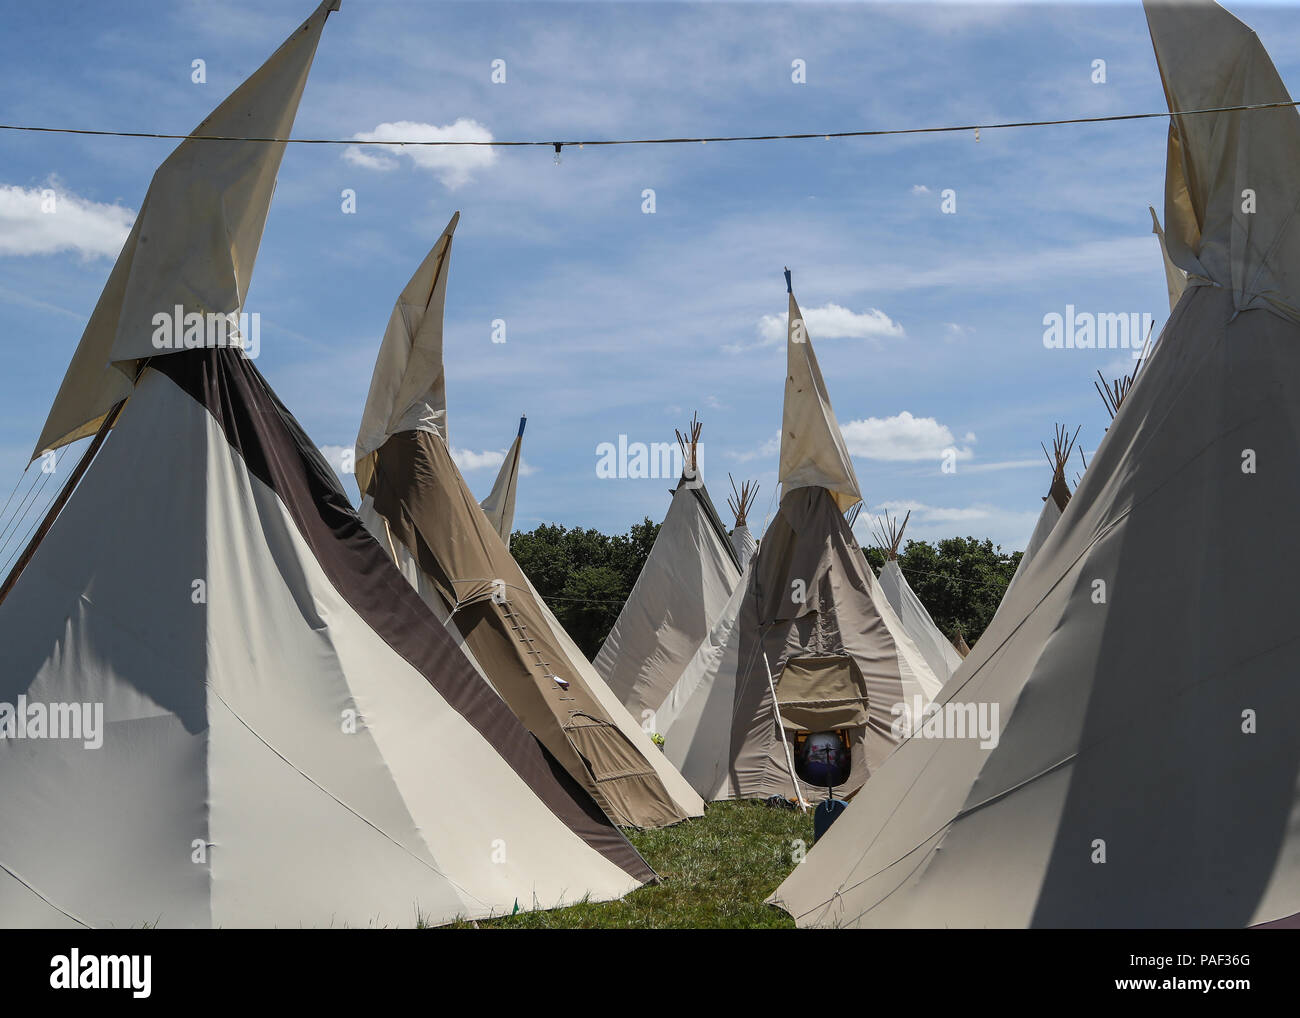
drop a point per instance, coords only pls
(1132, 705)
(808, 644)
(684, 585)
(418, 506)
(280, 712)
(939, 653)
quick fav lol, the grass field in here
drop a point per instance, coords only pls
(714, 872)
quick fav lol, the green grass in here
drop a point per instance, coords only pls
(714, 873)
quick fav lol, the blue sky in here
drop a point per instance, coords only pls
(928, 326)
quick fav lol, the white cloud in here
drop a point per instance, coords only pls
(903, 437)
(833, 322)
(981, 468)
(34, 222)
(1008, 529)
(920, 189)
(468, 460)
(453, 165)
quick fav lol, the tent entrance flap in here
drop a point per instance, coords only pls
(605, 750)
(821, 694)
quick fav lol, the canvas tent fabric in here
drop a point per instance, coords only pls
(1175, 278)
(1129, 721)
(499, 506)
(278, 706)
(1256, 255)
(408, 390)
(684, 585)
(224, 721)
(938, 651)
(198, 229)
(718, 721)
(807, 605)
(813, 453)
(417, 500)
(743, 544)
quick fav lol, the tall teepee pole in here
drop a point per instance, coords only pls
(780, 727)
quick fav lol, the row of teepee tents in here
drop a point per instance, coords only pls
(290, 736)
(315, 715)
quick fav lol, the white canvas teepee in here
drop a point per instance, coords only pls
(740, 501)
(266, 712)
(417, 505)
(1133, 707)
(685, 583)
(937, 649)
(807, 644)
(499, 506)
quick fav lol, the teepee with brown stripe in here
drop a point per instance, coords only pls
(288, 736)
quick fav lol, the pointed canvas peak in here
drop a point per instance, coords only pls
(689, 442)
(500, 503)
(408, 389)
(741, 500)
(1175, 278)
(1245, 240)
(889, 532)
(190, 253)
(1062, 445)
(813, 453)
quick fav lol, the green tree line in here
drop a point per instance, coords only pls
(586, 576)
